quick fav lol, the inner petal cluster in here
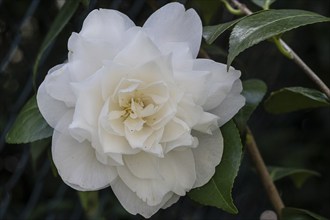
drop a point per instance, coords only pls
(138, 111)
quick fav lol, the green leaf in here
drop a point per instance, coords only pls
(263, 3)
(295, 98)
(211, 33)
(253, 90)
(263, 25)
(217, 192)
(29, 125)
(289, 213)
(298, 176)
(59, 23)
(90, 203)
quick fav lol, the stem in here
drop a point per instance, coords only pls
(231, 9)
(266, 180)
(308, 71)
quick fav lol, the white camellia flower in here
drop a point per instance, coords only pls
(135, 110)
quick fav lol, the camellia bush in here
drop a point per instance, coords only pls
(151, 111)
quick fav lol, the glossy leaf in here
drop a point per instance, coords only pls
(253, 90)
(211, 33)
(217, 192)
(261, 26)
(29, 125)
(295, 98)
(62, 18)
(298, 176)
(289, 213)
(263, 3)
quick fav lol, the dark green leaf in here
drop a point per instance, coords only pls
(211, 33)
(295, 98)
(217, 192)
(289, 213)
(298, 176)
(59, 23)
(261, 26)
(263, 3)
(253, 91)
(29, 125)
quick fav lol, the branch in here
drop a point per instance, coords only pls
(266, 180)
(308, 71)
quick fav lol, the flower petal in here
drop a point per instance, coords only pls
(143, 165)
(150, 191)
(207, 155)
(88, 107)
(132, 203)
(172, 23)
(174, 129)
(58, 85)
(138, 51)
(76, 162)
(206, 122)
(178, 170)
(107, 25)
(233, 102)
(219, 83)
(51, 109)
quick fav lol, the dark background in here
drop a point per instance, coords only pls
(30, 190)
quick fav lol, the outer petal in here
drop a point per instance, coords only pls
(150, 191)
(139, 51)
(101, 38)
(233, 102)
(88, 107)
(76, 162)
(106, 24)
(58, 84)
(178, 170)
(207, 155)
(172, 23)
(218, 85)
(51, 109)
(133, 204)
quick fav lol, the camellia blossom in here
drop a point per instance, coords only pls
(133, 108)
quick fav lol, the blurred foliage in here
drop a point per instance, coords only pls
(28, 188)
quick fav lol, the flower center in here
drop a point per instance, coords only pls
(133, 108)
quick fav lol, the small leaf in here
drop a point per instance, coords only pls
(263, 3)
(217, 192)
(295, 98)
(289, 213)
(211, 33)
(59, 23)
(29, 125)
(263, 25)
(298, 176)
(253, 90)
